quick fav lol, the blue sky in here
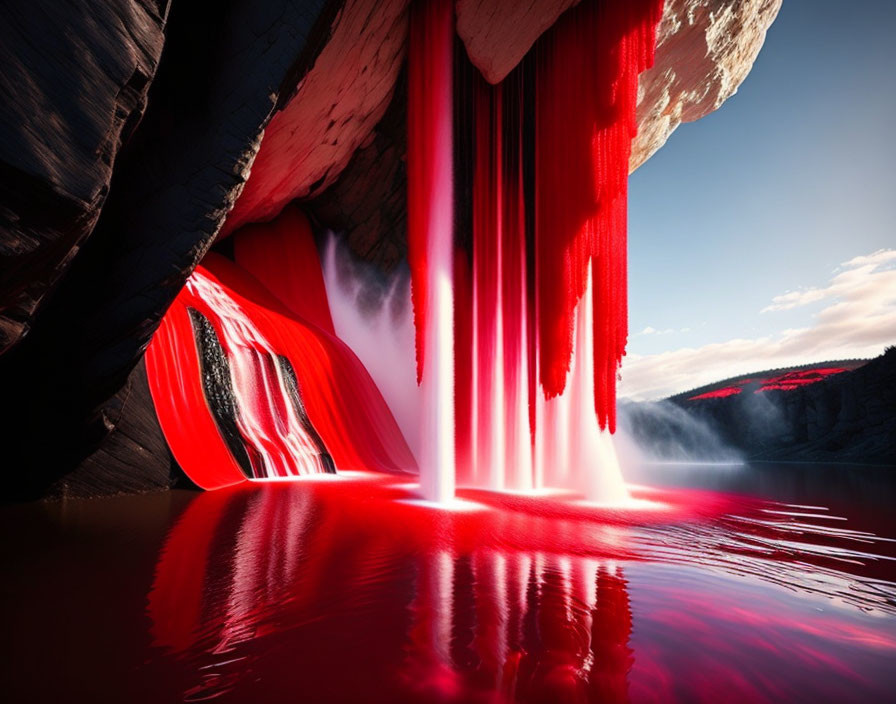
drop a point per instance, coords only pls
(791, 178)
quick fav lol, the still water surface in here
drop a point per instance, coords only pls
(754, 583)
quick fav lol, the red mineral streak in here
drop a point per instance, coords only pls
(794, 380)
(342, 403)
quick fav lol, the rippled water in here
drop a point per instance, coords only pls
(762, 583)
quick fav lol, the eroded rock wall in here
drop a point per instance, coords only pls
(704, 51)
(336, 107)
(73, 88)
(223, 71)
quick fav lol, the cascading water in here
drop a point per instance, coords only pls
(430, 235)
(542, 292)
(249, 382)
(516, 249)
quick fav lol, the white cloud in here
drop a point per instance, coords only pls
(859, 320)
(842, 284)
(668, 331)
(793, 299)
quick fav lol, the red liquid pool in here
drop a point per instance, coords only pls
(344, 589)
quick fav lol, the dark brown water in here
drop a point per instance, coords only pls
(761, 583)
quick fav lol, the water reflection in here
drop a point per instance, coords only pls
(335, 592)
(519, 627)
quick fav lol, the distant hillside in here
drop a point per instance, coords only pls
(841, 411)
(782, 379)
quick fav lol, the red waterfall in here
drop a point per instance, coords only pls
(586, 92)
(430, 46)
(527, 285)
(248, 379)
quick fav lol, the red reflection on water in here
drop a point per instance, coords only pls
(342, 591)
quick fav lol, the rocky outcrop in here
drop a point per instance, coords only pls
(72, 90)
(133, 458)
(499, 33)
(337, 104)
(367, 204)
(704, 51)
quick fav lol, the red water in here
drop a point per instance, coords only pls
(337, 590)
(586, 92)
(342, 592)
(256, 324)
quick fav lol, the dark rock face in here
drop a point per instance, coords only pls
(72, 90)
(849, 417)
(133, 458)
(226, 67)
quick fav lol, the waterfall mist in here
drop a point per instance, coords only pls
(661, 431)
(372, 314)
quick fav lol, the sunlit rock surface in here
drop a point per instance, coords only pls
(499, 33)
(337, 104)
(704, 51)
